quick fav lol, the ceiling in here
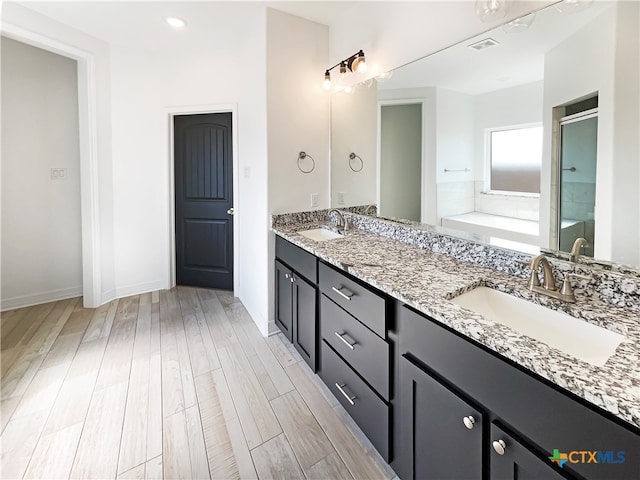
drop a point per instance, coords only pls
(141, 24)
(516, 60)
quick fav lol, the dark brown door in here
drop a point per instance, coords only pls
(204, 196)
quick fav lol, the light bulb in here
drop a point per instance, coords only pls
(573, 6)
(384, 76)
(519, 24)
(175, 22)
(491, 10)
(327, 80)
(359, 63)
(348, 89)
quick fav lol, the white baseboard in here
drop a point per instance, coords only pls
(39, 298)
(139, 288)
(273, 330)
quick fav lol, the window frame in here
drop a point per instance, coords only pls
(488, 158)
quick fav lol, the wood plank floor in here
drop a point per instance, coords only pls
(170, 384)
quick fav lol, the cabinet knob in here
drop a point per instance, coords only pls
(469, 422)
(499, 446)
(231, 211)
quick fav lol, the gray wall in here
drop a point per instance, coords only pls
(41, 225)
(400, 161)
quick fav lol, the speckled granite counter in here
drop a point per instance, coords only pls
(426, 281)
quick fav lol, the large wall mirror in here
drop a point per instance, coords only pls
(525, 136)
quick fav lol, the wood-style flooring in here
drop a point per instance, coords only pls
(170, 384)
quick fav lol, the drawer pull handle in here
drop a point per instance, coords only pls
(350, 399)
(352, 346)
(287, 276)
(341, 293)
(469, 422)
(499, 446)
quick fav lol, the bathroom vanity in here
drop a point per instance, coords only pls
(444, 392)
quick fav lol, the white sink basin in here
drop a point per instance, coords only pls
(320, 234)
(572, 336)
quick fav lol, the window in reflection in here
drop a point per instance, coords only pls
(515, 159)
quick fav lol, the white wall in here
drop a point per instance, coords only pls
(395, 33)
(577, 68)
(297, 119)
(625, 241)
(41, 229)
(455, 136)
(146, 87)
(521, 105)
(359, 137)
(95, 138)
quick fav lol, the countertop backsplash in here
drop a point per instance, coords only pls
(621, 290)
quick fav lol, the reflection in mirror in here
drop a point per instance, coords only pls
(500, 137)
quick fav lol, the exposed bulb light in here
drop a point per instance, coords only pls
(384, 76)
(327, 80)
(491, 10)
(359, 63)
(175, 22)
(573, 6)
(519, 24)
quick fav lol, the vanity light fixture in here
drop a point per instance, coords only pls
(355, 63)
(491, 10)
(175, 22)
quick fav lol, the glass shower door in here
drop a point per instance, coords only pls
(578, 158)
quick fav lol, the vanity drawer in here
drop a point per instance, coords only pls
(368, 410)
(361, 302)
(298, 259)
(367, 353)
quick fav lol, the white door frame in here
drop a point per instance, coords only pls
(191, 110)
(88, 138)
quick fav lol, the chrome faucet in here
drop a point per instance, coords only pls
(548, 287)
(341, 224)
(577, 248)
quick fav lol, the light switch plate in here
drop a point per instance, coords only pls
(340, 198)
(58, 173)
(314, 200)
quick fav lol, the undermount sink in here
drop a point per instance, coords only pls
(570, 335)
(320, 234)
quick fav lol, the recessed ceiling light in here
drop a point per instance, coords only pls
(175, 22)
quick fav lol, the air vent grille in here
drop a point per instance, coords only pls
(483, 44)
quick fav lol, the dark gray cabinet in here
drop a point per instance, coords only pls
(530, 415)
(355, 354)
(284, 300)
(441, 432)
(296, 299)
(512, 460)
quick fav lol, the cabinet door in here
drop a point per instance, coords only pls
(511, 460)
(284, 300)
(305, 326)
(440, 441)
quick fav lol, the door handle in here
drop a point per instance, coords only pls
(231, 211)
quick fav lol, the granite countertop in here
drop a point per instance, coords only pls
(426, 281)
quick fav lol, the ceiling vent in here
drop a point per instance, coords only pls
(483, 44)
